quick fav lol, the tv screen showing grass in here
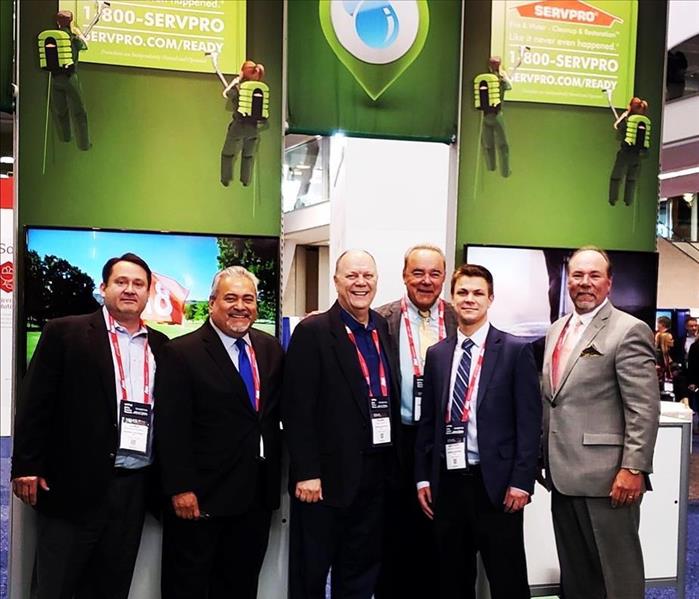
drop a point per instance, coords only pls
(63, 272)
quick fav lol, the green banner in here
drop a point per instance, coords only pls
(374, 68)
(163, 34)
(571, 52)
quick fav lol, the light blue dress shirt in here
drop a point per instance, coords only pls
(131, 348)
(478, 339)
(406, 362)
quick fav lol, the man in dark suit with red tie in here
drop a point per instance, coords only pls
(477, 445)
(219, 446)
(340, 410)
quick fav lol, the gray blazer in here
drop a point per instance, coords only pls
(391, 312)
(604, 415)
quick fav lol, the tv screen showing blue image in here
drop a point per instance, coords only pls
(63, 272)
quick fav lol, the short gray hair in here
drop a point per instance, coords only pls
(343, 254)
(230, 273)
(424, 246)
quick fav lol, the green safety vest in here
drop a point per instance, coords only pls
(486, 91)
(253, 100)
(59, 57)
(638, 131)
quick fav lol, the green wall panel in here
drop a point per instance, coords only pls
(561, 158)
(157, 137)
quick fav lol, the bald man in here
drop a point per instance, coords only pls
(341, 414)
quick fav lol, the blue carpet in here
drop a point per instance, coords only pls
(692, 571)
(5, 453)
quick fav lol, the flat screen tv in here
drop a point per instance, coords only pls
(63, 271)
(530, 286)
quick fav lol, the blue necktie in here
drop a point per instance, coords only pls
(461, 382)
(245, 370)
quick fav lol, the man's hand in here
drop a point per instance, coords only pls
(309, 491)
(26, 487)
(424, 498)
(626, 488)
(186, 506)
(515, 500)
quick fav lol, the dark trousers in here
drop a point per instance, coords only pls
(598, 548)
(409, 565)
(241, 138)
(347, 539)
(66, 105)
(216, 557)
(92, 558)
(465, 523)
(626, 168)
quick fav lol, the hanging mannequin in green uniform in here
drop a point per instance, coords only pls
(66, 95)
(250, 99)
(634, 129)
(489, 90)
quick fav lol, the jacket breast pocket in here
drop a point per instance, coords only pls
(603, 439)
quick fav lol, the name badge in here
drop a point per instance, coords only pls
(380, 411)
(135, 426)
(455, 446)
(418, 382)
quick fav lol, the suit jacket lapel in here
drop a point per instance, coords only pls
(394, 320)
(446, 357)
(214, 347)
(346, 355)
(592, 330)
(493, 344)
(104, 363)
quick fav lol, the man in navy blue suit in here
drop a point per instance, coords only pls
(477, 445)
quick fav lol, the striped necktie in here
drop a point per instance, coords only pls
(461, 382)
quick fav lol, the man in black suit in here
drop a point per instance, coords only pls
(340, 412)
(219, 446)
(415, 322)
(83, 439)
(477, 445)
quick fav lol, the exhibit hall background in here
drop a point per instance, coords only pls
(561, 158)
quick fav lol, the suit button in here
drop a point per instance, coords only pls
(112, 456)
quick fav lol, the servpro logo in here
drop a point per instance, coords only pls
(568, 11)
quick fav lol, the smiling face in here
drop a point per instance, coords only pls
(471, 300)
(589, 283)
(126, 291)
(355, 282)
(423, 276)
(233, 309)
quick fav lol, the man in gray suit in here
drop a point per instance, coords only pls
(415, 322)
(601, 411)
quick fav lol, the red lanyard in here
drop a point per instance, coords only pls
(363, 364)
(255, 374)
(417, 366)
(120, 364)
(469, 391)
